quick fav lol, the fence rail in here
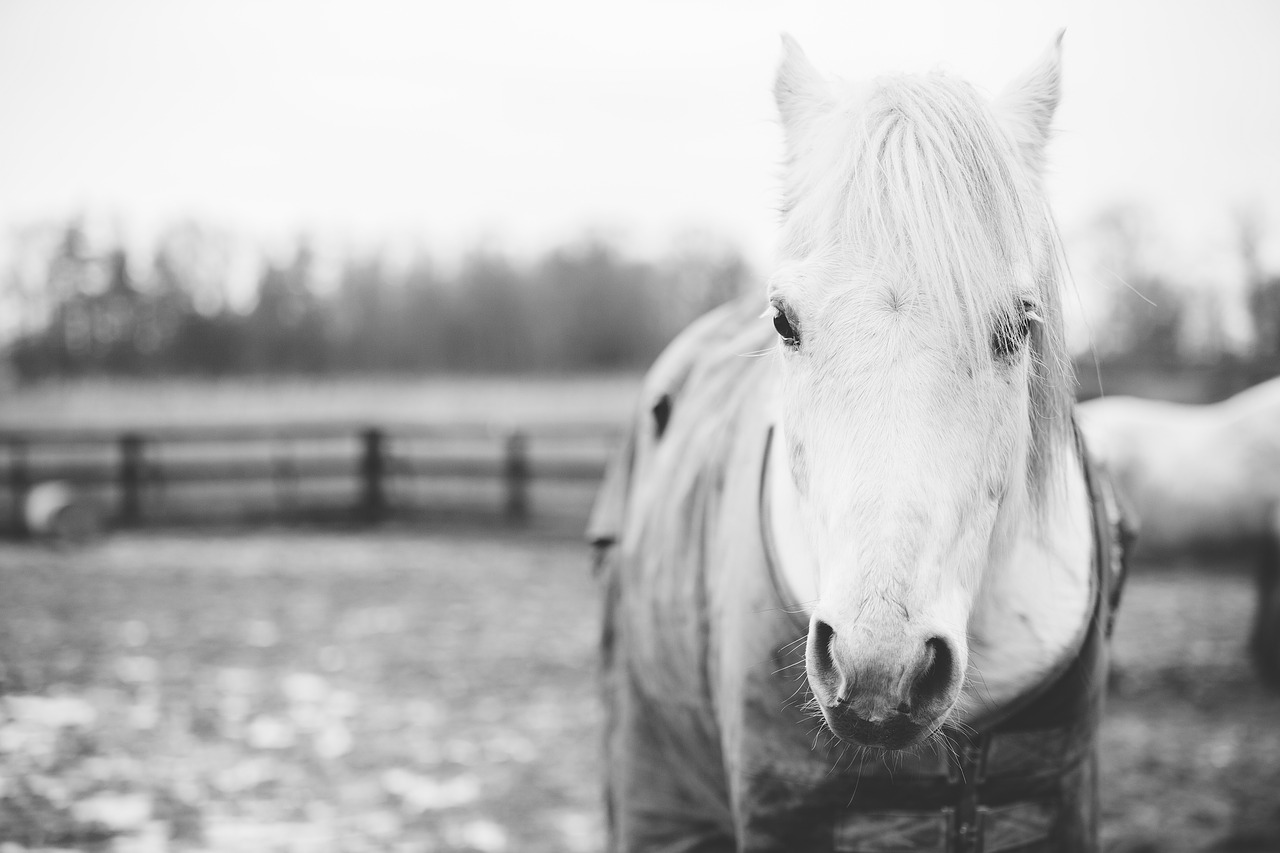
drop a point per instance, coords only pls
(127, 472)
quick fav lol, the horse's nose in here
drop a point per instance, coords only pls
(878, 682)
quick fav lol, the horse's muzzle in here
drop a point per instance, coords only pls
(890, 695)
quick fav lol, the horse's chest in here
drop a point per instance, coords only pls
(1027, 786)
(1028, 792)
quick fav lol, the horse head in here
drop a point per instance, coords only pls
(924, 378)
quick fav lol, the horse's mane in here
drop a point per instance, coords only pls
(915, 175)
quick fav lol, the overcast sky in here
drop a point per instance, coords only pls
(528, 122)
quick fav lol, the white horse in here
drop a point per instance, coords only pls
(893, 500)
(1202, 478)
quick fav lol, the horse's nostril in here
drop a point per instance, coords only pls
(822, 663)
(935, 676)
(823, 636)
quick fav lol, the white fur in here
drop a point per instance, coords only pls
(1195, 475)
(935, 491)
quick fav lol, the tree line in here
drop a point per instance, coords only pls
(587, 306)
(85, 306)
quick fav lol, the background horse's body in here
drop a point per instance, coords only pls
(1198, 476)
(1202, 479)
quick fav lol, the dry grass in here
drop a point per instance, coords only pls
(360, 691)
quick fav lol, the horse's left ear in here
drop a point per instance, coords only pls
(800, 91)
(1026, 105)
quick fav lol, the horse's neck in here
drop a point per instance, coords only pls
(1035, 598)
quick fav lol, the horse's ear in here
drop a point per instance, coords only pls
(1026, 105)
(799, 89)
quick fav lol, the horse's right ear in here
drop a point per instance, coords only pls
(799, 89)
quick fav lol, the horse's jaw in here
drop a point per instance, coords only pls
(795, 563)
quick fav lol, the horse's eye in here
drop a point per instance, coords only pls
(1010, 334)
(785, 330)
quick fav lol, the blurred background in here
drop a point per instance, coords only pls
(319, 320)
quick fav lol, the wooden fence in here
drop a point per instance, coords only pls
(365, 472)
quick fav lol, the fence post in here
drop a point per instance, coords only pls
(130, 479)
(373, 499)
(516, 475)
(19, 483)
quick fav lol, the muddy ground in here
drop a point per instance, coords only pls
(400, 690)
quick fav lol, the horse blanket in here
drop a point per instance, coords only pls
(707, 744)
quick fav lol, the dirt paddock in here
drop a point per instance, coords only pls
(350, 691)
